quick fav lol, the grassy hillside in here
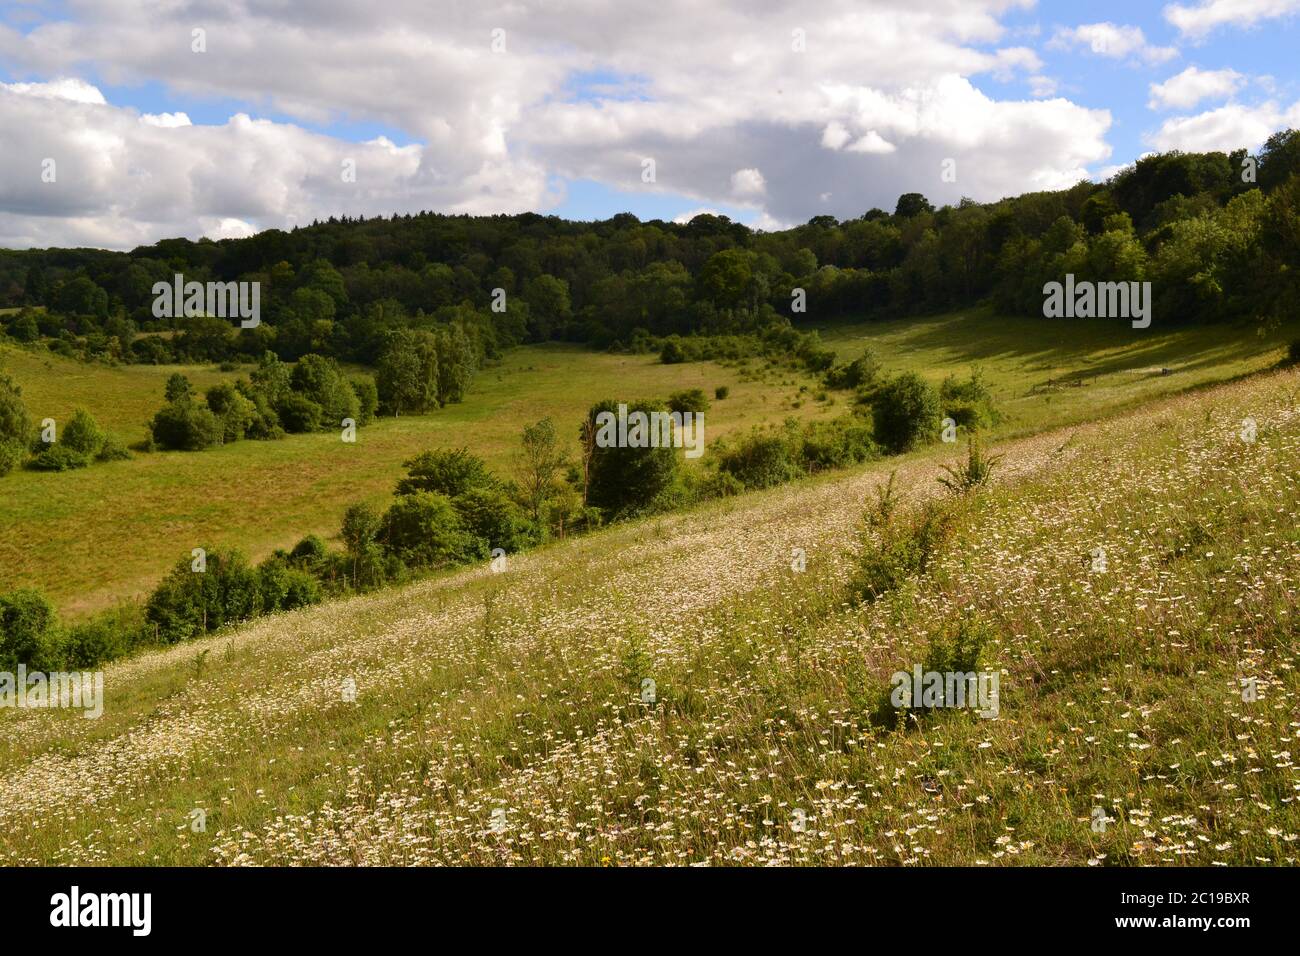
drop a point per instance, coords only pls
(499, 717)
(94, 537)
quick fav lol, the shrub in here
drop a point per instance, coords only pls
(862, 371)
(15, 426)
(969, 403)
(672, 353)
(233, 410)
(58, 457)
(26, 629)
(103, 638)
(494, 521)
(838, 443)
(906, 413)
(955, 648)
(185, 426)
(319, 380)
(900, 550)
(11, 456)
(721, 392)
(688, 400)
(299, 414)
(624, 481)
(976, 471)
(113, 451)
(189, 602)
(83, 434)
(283, 588)
(446, 472)
(423, 529)
(761, 460)
(309, 553)
(367, 399)
(178, 387)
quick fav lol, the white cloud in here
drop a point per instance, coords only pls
(1225, 129)
(64, 88)
(882, 95)
(748, 182)
(1191, 86)
(122, 180)
(1113, 41)
(1199, 20)
(1042, 86)
(166, 120)
(872, 142)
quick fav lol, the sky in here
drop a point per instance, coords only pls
(123, 122)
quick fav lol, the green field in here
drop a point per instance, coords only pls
(500, 718)
(91, 538)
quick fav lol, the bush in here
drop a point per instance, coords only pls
(494, 521)
(862, 371)
(761, 460)
(446, 472)
(188, 602)
(104, 638)
(906, 413)
(15, 426)
(83, 434)
(423, 529)
(624, 481)
(969, 403)
(837, 443)
(184, 425)
(299, 414)
(233, 410)
(319, 380)
(309, 553)
(113, 451)
(672, 353)
(26, 629)
(721, 392)
(58, 457)
(688, 400)
(367, 399)
(11, 456)
(283, 588)
(900, 550)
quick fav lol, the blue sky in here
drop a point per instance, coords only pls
(1022, 96)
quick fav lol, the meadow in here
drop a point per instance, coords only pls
(92, 538)
(500, 718)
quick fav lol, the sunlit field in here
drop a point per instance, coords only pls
(91, 538)
(501, 718)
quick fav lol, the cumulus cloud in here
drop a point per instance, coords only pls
(1199, 20)
(1192, 86)
(1226, 128)
(1113, 41)
(867, 106)
(748, 182)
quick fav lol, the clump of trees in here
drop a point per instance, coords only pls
(314, 395)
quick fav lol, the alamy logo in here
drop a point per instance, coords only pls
(103, 909)
(225, 300)
(652, 430)
(84, 689)
(1098, 300)
(927, 689)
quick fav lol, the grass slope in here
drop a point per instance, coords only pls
(91, 538)
(499, 718)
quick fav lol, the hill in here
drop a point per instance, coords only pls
(93, 537)
(502, 718)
